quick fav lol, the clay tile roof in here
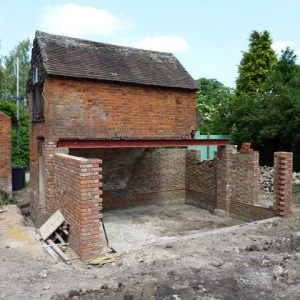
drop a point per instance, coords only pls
(71, 57)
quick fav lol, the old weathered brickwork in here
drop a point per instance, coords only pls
(87, 109)
(283, 168)
(77, 193)
(139, 176)
(5, 153)
(201, 181)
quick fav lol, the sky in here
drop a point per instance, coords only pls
(208, 37)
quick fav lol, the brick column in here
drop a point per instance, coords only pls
(77, 189)
(5, 153)
(283, 169)
(249, 184)
(223, 169)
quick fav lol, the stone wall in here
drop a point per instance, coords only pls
(139, 176)
(77, 184)
(5, 153)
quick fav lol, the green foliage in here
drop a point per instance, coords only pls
(213, 103)
(20, 154)
(5, 198)
(8, 82)
(265, 108)
(270, 119)
(256, 64)
(295, 189)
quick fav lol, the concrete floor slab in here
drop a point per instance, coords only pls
(132, 228)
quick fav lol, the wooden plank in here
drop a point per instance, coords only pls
(64, 257)
(50, 251)
(51, 225)
(103, 260)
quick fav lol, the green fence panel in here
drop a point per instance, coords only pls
(207, 152)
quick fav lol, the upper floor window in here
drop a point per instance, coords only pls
(38, 102)
(37, 96)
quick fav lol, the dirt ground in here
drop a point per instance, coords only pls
(259, 260)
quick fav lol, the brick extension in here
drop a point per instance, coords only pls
(230, 183)
(139, 176)
(5, 153)
(283, 169)
(77, 194)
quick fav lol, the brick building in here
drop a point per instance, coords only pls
(85, 96)
(100, 115)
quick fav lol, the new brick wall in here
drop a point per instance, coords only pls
(244, 178)
(229, 183)
(77, 183)
(283, 178)
(139, 176)
(201, 181)
(242, 181)
(5, 153)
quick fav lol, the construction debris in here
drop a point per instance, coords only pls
(51, 225)
(103, 260)
(53, 235)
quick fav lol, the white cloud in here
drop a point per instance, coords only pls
(298, 53)
(78, 21)
(174, 44)
(280, 45)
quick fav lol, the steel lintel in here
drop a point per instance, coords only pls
(141, 143)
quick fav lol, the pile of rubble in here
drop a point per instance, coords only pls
(296, 178)
(266, 179)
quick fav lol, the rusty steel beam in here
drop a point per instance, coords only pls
(139, 143)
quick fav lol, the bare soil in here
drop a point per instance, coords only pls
(259, 260)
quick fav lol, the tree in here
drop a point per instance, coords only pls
(20, 155)
(256, 64)
(8, 82)
(270, 118)
(213, 102)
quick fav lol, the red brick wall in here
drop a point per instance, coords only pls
(250, 212)
(5, 152)
(229, 184)
(283, 177)
(223, 170)
(77, 194)
(92, 109)
(244, 178)
(139, 176)
(201, 181)
(87, 109)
